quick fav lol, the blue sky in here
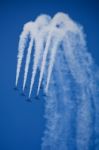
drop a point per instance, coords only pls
(21, 123)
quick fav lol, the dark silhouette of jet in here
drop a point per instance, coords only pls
(29, 100)
(36, 97)
(57, 25)
(15, 88)
(44, 95)
(22, 94)
(25, 87)
(41, 87)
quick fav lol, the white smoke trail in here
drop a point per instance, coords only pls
(39, 46)
(22, 44)
(31, 29)
(59, 108)
(27, 61)
(34, 32)
(80, 70)
(67, 70)
(44, 60)
(60, 20)
(60, 35)
(80, 64)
